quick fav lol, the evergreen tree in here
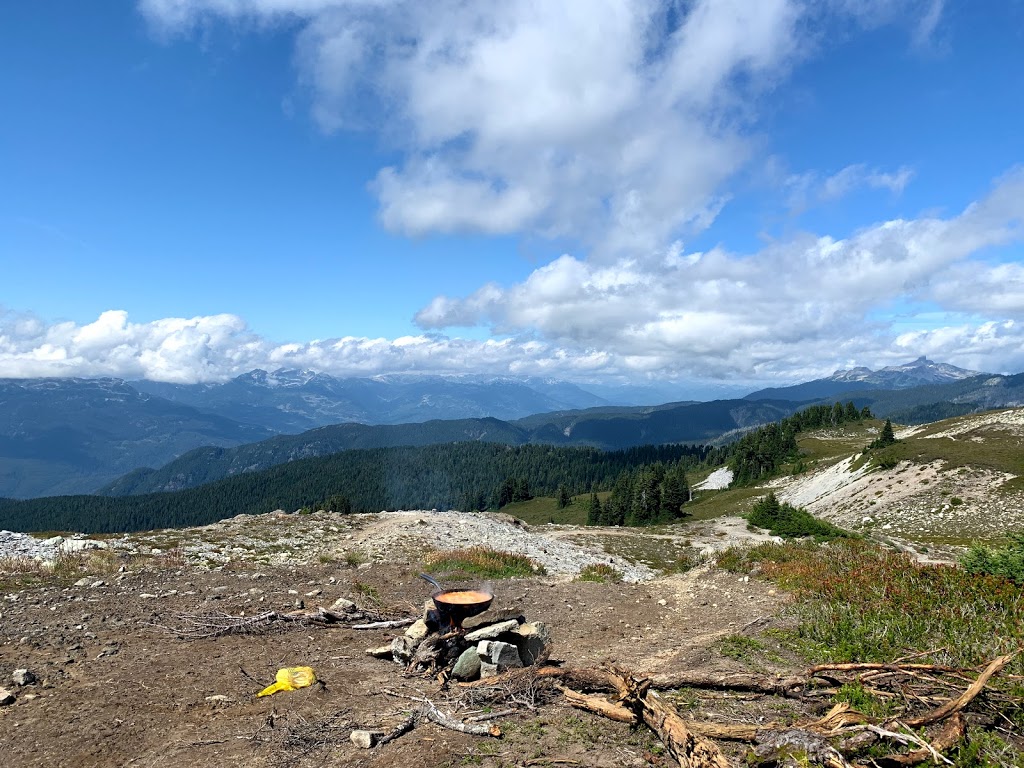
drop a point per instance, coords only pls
(618, 506)
(564, 499)
(837, 414)
(851, 413)
(674, 494)
(646, 497)
(595, 515)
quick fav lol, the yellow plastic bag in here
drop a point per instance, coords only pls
(289, 679)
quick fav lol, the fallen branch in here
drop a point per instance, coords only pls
(491, 716)
(393, 624)
(951, 734)
(966, 697)
(435, 715)
(404, 727)
(858, 666)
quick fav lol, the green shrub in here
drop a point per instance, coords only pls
(1006, 561)
(791, 522)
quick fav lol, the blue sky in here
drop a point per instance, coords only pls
(711, 193)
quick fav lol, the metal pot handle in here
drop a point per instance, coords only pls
(431, 580)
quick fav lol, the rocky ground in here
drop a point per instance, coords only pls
(114, 687)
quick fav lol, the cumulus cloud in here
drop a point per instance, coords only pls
(790, 304)
(611, 122)
(214, 348)
(795, 310)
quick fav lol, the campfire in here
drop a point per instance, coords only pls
(439, 644)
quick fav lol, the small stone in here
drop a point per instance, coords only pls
(147, 596)
(492, 631)
(6, 697)
(468, 666)
(504, 655)
(535, 637)
(403, 648)
(365, 739)
(23, 677)
(429, 610)
(341, 605)
(220, 697)
(83, 582)
(419, 630)
(314, 593)
(663, 601)
(380, 652)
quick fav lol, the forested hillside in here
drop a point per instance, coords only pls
(606, 428)
(648, 483)
(461, 476)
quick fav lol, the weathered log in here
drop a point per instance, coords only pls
(796, 740)
(598, 705)
(738, 681)
(689, 749)
(957, 704)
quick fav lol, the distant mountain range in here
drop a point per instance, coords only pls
(918, 373)
(62, 436)
(290, 401)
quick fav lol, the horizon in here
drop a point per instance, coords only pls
(710, 198)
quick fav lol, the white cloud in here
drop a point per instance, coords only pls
(792, 304)
(811, 188)
(615, 123)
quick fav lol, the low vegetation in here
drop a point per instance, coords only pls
(601, 573)
(785, 520)
(1005, 561)
(861, 602)
(484, 563)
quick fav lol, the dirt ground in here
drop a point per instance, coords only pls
(116, 690)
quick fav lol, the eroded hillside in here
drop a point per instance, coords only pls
(945, 483)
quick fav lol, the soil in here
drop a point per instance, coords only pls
(115, 689)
